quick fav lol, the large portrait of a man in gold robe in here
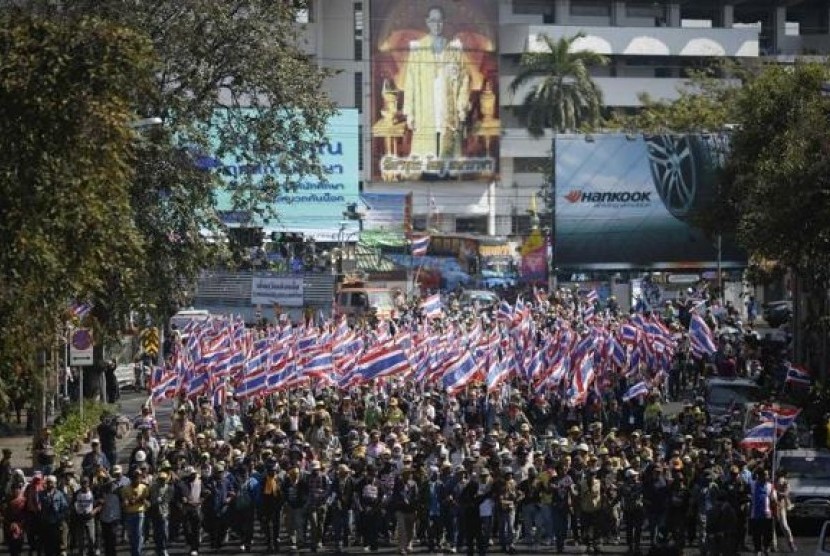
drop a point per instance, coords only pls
(435, 78)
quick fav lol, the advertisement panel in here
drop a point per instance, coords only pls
(389, 212)
(314, 207)
(625, 201)
(534, 262)
(286, 291)
(434, 90)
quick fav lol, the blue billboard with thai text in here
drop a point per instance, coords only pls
(311, 206)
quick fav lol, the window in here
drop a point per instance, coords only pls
(358, 91)
(358, 31)
(530, 165)
(360, 146)
(591, 8)
(641, 9)
(305, 11)
(471, 225)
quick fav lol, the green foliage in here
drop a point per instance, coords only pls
(66, 165)
(72, 428)
(97, 211)
(562, 95)
(706, 103)
(777, 178)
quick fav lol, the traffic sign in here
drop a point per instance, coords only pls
(81, 348)
(150, 341)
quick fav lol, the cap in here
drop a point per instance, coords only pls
(189, 471)
(140, 456)
(116, 470)
(315, 465)
(95, 441)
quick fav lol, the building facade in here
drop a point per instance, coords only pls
(651, 47)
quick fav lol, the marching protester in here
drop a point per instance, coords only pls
(539, 426)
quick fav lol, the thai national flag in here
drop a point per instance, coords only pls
(700, 336)
(419, 246)
(584, 375)
(761, 437)
(798, 375)
(252, 386)
(165, 387)
(383, 361)
(459, 374)
(591, 296)
(219, 395)
(432, 307)
(319, 366)
(81, 310)
(617, 352)
(497, 374)
(629, 334)
(504, 312)
(639, 389)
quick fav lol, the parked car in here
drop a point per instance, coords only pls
(723, 395)
(484, 299)
(808, 472)
(823, 546)
(777, 313)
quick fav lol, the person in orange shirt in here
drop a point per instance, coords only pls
(272, 500)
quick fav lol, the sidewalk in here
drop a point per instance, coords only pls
(20, 443)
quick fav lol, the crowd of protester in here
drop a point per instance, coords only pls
(403, 465)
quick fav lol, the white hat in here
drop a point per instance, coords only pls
(582, 447)
(315, 464)
(140, 456)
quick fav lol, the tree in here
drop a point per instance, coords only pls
(562, 95)
(66, 168)
(199, 57)
(213, 55)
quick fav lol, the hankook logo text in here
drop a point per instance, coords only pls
(578, 196)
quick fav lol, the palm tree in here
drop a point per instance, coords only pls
(565, 98)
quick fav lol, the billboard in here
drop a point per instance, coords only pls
(286, 291)
(625, 201)
(315, 207)
(389, 212)
(434, 90)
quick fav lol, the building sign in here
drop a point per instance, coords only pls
(632, 201)
(389, 212)
(534, 262)
(314, 207)
(286, 291)
(435, 90)
(81, 348)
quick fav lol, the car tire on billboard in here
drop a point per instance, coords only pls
(683, 169)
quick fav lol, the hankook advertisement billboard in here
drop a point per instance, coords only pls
(434, 90)
(631, 201)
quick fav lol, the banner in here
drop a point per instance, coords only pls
(314, 207)
(626, 201)
(435, 90)
(534, 263)
(286, 291)
(390, 212)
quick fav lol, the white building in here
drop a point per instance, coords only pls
(650, 44)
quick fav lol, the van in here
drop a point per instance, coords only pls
(358, 303)
(181, 318)
(823, 547)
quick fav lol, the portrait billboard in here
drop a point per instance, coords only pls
(635, 201)
(314, 206)
(435, 110)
